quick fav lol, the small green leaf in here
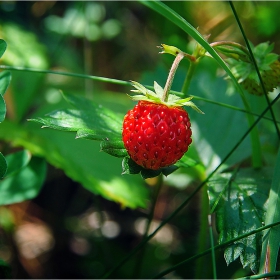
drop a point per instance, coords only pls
(5, 79)
(2, 109)
(186, 161)
(25, 184)
(17, 161)
(239, 201)
(3, 166)
(3, 47)
(113, 147)
(131, 167)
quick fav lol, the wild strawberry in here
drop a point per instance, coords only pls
(156, 134)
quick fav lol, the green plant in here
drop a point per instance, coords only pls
(236, 176)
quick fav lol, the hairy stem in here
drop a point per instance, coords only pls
(171, 75)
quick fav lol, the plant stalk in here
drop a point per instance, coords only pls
(171, 75)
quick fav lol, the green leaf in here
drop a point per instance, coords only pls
(2, 109)
(113, 147)
(5, 79)
(239, 200)
(271, 237)
(17, 161)
(3, 166)
(3, 47)
(25, 184)
(186, 161)
(131, 167)
(81, 161)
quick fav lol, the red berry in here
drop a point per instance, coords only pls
(156, 135)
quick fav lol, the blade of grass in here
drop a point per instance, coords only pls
(172, 16)
(212, 247)
(271, 238)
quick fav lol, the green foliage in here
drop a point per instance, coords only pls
(239, 200)
(242, 200)
(25, 183)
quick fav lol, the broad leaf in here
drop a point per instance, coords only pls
(90, 121)
(81, 160)
(3, 47)
(5, 79)
(25, 184)
(3, 166)
(239, 201)
(17, 161)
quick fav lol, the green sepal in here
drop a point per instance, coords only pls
(131, 167)
(113, 147)
(157, 96)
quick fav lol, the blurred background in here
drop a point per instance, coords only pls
(68, 230)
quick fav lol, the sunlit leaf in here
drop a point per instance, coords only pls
(81, 160)
(25, 184)
(239, 201)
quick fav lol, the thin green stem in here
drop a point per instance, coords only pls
(83, 76)
(140, 259)
(180, 207)
(213, 256)
(124, 83)
(261, 276)
(189, 76)
(255, 65)
(203, 232)
(171, 75)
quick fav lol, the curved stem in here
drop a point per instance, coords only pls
(171, 75)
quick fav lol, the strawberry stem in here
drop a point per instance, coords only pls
(171, 75)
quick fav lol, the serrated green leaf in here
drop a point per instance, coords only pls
(5, 79)
(91, 121)
(3, 47)
(3, 166)
(2, 109)
(17, 161)
(25, 184)
(239, 201)
(113, 147)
